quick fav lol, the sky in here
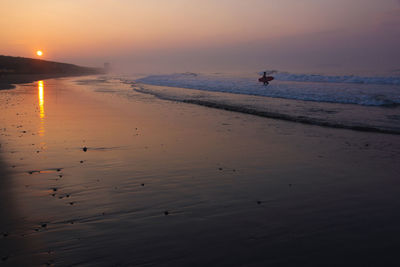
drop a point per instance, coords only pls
(207, 35)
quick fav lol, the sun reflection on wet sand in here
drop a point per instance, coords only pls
(41, 107)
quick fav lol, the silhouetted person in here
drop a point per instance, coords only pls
(263, 79)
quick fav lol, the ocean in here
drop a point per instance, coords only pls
(365, 103)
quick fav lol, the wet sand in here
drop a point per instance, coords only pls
(164, 183)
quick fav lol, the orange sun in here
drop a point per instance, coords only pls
(39, 53)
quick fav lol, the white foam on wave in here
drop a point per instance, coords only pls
(285, 76)
(372, 91)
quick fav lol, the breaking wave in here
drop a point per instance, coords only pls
(369, 91)
(286, 76)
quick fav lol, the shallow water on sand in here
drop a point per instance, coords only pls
(168, 183)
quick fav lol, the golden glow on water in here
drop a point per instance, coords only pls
(41, 106)
(41, 99)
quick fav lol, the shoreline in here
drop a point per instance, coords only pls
(331, 115)
(278, 116)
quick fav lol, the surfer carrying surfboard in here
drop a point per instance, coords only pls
(265, 79)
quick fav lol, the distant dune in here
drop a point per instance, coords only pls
(23, 70)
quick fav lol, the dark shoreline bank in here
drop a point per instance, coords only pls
(16, 70)
(9, 81)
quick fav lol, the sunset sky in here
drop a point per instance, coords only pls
(189, 35)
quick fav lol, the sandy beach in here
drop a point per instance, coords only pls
(95, 173)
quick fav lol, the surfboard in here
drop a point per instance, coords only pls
(266, 79)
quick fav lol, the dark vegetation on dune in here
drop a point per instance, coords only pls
(24, 70)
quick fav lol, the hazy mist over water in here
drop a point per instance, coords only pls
(331, 37)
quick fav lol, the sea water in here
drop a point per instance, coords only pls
(370, 103)
(369, 91)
